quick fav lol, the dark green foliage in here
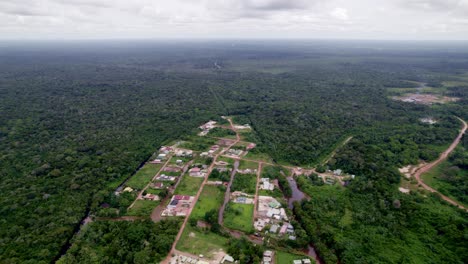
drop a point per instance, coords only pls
(77, 119)
(245, 183)
(221, 132)
(123, 242)
(245, 251)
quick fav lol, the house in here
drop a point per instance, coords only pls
(283, 229)
(171, 169)
(179, 161)
(128, 189)
(195, 172)
(297, 261)
(306, 261)
(162, 156)
(268, 253)
(274, 229)
(157, 185)
(151, 197)
(241, 199)
(204, 154)
(156, 161)
(181, 197)
(337, 172)
(250, 146)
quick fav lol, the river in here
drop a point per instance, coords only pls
(297, 196)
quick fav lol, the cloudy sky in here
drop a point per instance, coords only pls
(156, 19)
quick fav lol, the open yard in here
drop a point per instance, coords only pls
(198, 242)
(211, 198)
(244, 164)
(198, 143)
(143, 176)
(287, 258)
(256, 155)
(239, 217)
(142, 208)
(189, 185)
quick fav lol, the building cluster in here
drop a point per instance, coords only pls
(211, 152)
(234, 152)
(178, 206)
(272, 218)
(207, 127)
(266, 184)
(184, 153)
(180, 259)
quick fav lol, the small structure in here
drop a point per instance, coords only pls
(274, 229)
(337, 172)
(128, 189)
(156, 161)
(266, 185)
(157, 185)
(227, 259)
(195, 172)
(151, 197)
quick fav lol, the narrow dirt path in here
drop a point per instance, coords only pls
(173, 249)
(139, 196)
(441, 158)
(227, 195)
(259, 173)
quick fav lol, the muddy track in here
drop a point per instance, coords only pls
(441, 158)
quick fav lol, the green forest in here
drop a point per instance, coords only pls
(76, 120)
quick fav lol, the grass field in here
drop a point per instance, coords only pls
(431, 179)
(211, 198)
(239, 217)
(287, 258)
(198, 143)
(143, 176)
(244, 164)
(142, 208)
(253, 155)
(197, 242)
(189, 185)
(228, 160)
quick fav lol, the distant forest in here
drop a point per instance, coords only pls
(77, 119)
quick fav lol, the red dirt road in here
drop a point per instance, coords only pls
(441, 158)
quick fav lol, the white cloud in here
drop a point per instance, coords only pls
(234, 18)
(339, 13)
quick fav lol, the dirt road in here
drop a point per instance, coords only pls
(441, 158)
(259, 173)
(227, 195)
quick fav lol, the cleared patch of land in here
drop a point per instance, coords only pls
(142, 208)
(197, 242)
(284, 257)
(143, 176)
(211, 198)
(239, 217)
(189, 185)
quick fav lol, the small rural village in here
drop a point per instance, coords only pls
(221, 173)
(218, 171)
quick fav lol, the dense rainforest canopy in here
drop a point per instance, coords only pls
(77, 119)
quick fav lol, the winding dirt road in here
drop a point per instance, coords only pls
(441, 158)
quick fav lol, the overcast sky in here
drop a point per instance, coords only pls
(156, 19)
